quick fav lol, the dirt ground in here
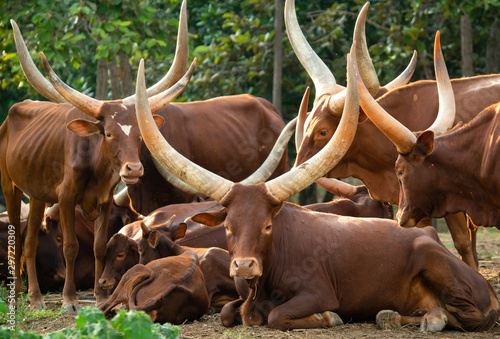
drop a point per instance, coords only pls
(210, 326)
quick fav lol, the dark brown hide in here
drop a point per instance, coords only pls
(169, 290)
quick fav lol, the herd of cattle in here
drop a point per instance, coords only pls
(244, 251)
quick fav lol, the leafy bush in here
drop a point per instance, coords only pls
(91, 323)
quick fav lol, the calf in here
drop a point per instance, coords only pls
(170, 289)
(214, 261)
(121, 250)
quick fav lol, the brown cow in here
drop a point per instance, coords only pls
(83, 147)
(439, 173)
(214, 261)
(170, 289)
(302, 266)
(91, 145)
(372, 156)
(122, 251)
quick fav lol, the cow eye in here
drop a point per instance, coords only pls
(59, 239)
(120, 256)
(323, 132)
(399, 173)
(268, 228)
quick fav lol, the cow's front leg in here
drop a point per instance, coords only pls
(100, 240)
(305, 311)
(35, 217)
(70, 250)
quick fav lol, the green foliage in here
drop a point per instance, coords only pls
(91, 323)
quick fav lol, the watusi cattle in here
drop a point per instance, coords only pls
(438, 171)
(214, 261)
(170, 290)
(83, 149)
(371, 156)
(302, 266)
(122, 251)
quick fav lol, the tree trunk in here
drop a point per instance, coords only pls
(101, 91)
(308, 196)
(493, 49)
(115, 81)
(278, 54)
(466, 39)
(126, 75)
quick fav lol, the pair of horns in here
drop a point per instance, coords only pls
(323, 79)
(217, 187)
(402, 137)
(59, 92)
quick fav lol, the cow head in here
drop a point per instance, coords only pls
(248, 210)
(324, 118)
(160, 242)
(49, 259)
(415, 149)
(121, 255)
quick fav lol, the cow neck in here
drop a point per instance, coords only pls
(464, 175)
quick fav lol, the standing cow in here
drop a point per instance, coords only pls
(82, 150)
(372, 156)
(303, 266)
(441, 173)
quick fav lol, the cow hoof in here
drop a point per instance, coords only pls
(71, 308)
(332, 318)
(433, 324)
(388, 320)
(38, 306)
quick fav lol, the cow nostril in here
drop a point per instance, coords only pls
(102, 281)
(235, 264)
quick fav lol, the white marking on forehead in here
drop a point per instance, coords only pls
(126, 129)
(114, 115)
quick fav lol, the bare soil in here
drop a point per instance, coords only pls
(210, 326)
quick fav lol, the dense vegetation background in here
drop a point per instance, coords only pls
(95, 47)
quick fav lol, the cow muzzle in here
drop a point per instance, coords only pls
(245, 268)
(131, 172)
(107, 284)
(404, 219)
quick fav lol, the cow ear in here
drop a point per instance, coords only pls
(84, 128)
(425, 143)
(179, 232)
(154, 238)
(210, 218)
(158, 120)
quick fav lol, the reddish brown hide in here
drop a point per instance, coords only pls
(214, 262)
(441, 174)
(169, 290)
(122, 252)
(299, 264)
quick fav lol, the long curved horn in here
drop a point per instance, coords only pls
(273, 159)
(405, 76)
(260, 175)
(365, 64)
(401, 136)
(446, 114)
(304, 175)
(301, 120)
(324, 81)
(35, 78)
(204, 181)
(84, 103)
(173, 180)
(337, 187)
(179, 64)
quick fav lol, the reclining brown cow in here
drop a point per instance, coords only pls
(302, 266)
(168, 289)
(214, 261)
